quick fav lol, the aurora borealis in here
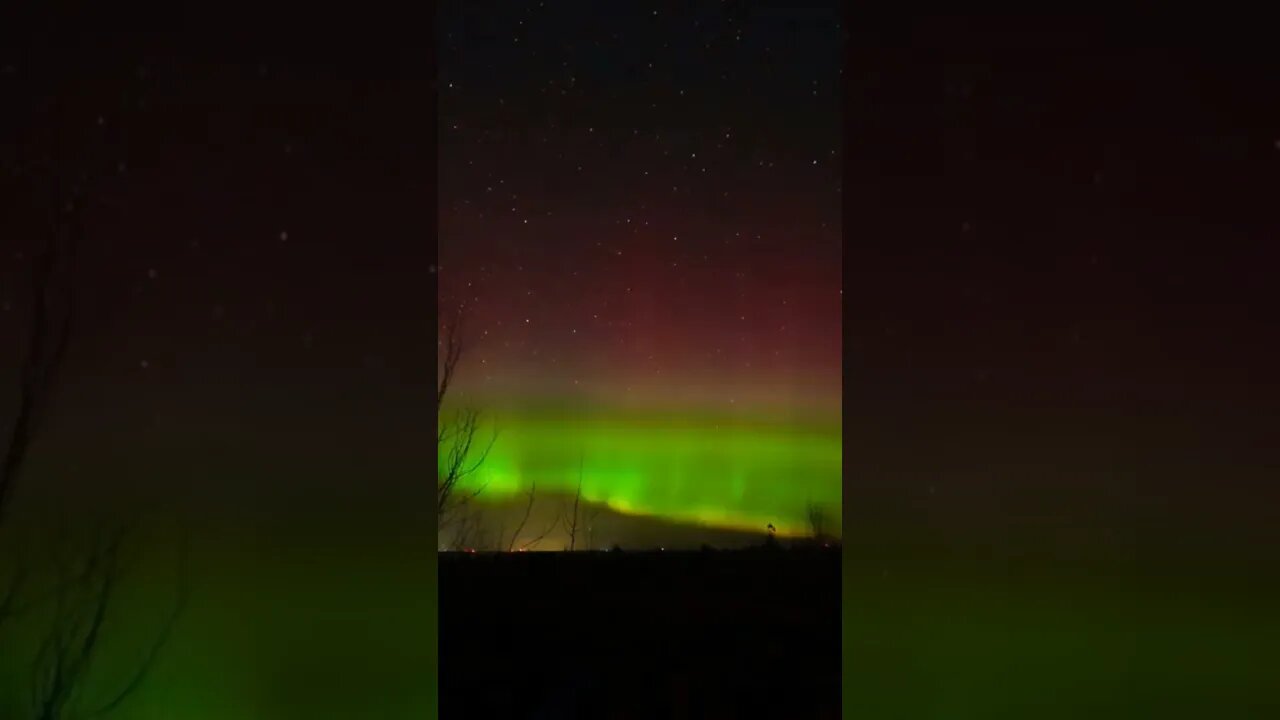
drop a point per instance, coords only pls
(639, 212)
(724, 473)
(1047, 439)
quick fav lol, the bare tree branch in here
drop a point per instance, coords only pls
(71, 643)
(524, 521)
(85, 584)
(161, 639)
(571, 522)
(456, 438)
(453, 346)
(462, 459)
(528, 509)
(47, 337)
(80, 610)
(591, 527)
(824, 532)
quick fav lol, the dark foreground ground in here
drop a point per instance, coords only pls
(713, 634)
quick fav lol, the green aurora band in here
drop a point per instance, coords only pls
(716, 471)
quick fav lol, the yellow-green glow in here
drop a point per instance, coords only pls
(715, 471)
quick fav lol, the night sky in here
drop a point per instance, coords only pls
(1060, 388)
(254, 256)
(640, 209)
(250, 361)
(1059, 244)
(1002, 289)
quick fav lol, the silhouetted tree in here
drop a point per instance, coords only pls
(819, 529)
(591, 518)
(470, 531)
(575, 518)
(83, 596)
(82, 589)
(459, 456)
(817, 520)
(47, 333)
(48, 330)
(571, 514)
(465, 531)
(771, 539)
(524, 520)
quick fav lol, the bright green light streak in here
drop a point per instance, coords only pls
(708, 471)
